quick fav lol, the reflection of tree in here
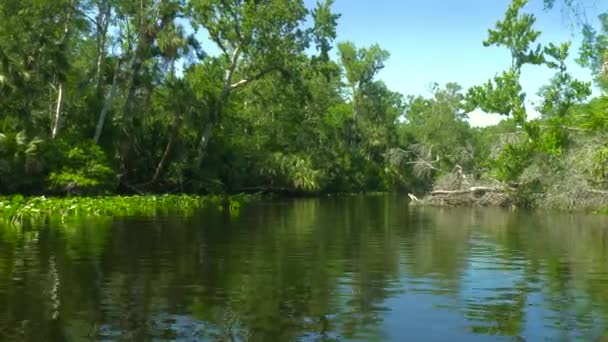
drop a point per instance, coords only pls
(436, 247)
(561, 257)
(373, 252)
(314, 268)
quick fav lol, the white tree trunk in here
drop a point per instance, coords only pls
(106, 106)
(216, 114)
(58, 110)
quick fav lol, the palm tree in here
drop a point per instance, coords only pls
(18, 158)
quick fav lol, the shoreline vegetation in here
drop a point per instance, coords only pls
(101, 98)
(18, 209)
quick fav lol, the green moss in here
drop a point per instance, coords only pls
(18, 209)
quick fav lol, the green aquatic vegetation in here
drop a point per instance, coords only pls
(18, 209)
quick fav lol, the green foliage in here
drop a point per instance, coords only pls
(20, 161)
(438, 125)
(563, 91)
(554, 138)
(84, 169)
(593, 116)
(515, 32)
(18, 209)
(292, 171)
(600, 164)
(531, 148)
(265, 32)
(503, 95)
(594, 51)
(267, 111)
(512, 161)
(324, 30)
(362, 64)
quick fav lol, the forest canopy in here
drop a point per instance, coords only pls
(116, 96)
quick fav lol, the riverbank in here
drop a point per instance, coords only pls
(18, 209)
(587, 201)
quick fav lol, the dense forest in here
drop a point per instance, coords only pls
(117, 96)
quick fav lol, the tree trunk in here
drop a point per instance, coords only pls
(103, 22)
(218, 109)
(355, 103)
(165, 156)
(106, 106)
(204, 142)
(353, 125)
(146, 38)
(61, 90)
(472, 190)
(58, 109)
(132, 72)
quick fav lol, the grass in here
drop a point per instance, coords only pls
(17, 209)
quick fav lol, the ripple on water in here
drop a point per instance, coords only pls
(343, 269)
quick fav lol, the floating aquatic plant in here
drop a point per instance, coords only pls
(18, 208)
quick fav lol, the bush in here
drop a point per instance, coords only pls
(83, 169)
(512, 161)
(292, 171)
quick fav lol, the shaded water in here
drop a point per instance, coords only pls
(359, 268)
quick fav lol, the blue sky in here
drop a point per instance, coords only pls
(441, 41)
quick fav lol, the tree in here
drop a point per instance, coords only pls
(19, 158)
(563, 91)
(36, 57)
(594, 51)
(360, 66)
(504, 94)
(324, 30)
(255, 38)
(437, 126)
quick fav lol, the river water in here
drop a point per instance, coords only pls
(328, 269)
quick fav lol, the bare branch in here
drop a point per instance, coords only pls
(423, 164)
(246, 81)
(472, 190)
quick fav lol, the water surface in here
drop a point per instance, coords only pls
(331, 269)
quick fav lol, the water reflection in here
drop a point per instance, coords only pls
(359, 268)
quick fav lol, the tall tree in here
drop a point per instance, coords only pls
(360, 66)
(324, 29)
(563, 91)
(504, 94)
(255, 38)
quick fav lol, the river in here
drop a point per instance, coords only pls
(324, 269)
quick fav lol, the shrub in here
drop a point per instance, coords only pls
(292, 171)
(84, 169)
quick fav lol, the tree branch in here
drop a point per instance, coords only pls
(475, 189)
(214, 37)
(230, 72)
(246, 81)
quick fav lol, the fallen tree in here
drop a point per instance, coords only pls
(475, 190)
(458, 189)
(475, 196)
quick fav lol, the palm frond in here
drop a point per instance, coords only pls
(33, 147)
(21, 138)
(594, 116)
